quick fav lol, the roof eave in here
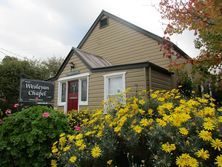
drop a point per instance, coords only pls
(132, 66)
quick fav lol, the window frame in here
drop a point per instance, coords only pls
(70, 78)
(60, 103)
(80, 102)
(106, 82)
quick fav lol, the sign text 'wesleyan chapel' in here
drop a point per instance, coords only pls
(36, 91)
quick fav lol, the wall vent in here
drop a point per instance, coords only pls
(103, 22)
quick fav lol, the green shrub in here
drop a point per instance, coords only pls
(26, 136)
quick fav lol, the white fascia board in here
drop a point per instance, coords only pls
(73, 77)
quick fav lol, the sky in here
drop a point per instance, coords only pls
(40, 29)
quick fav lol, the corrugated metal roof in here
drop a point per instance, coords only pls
(93, 61)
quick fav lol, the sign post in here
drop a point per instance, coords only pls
(36, 91)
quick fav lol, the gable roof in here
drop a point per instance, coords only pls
(133, 26)
(91, 61)
(96, 63)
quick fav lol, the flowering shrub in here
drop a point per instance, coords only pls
(26, 136)
(75, 118)
(163, 130)
(7, 109)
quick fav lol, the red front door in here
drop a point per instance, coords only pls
(73, 95)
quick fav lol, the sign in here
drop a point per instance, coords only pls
(73, 72)
(36, 91)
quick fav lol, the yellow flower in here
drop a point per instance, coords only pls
(184, 131)
(150, 112)
(108, 118)
(62, 134)
(62, 141)
(96, 152)
(142, 102)
(82, 147)
(168, 147)
(79, 136)
(202, 100)
(185, 160)
(117, 129)
(208, 125)
(161, 122)
(67, 148)
(71, 138)
(137, 129)
(153, 95)
(53, 163)
(54, 149)
(219, 161)
(204, 154)
(220, 119)
(144, 122)
(216, 144)
(100, 133)
(160, 99)
(142, 112)
(167, 118)
(205, 135)
(109, 162)
(78, 143)
(209, 111)
(73, 159)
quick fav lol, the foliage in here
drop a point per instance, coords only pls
(163, 130)
(204, 17)
(27, 136)
(12, 69)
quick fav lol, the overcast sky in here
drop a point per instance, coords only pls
(44, 28)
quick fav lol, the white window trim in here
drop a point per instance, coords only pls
(107, 76)
(82, 103)
(59, 103)
(74, 77)
(70, 78)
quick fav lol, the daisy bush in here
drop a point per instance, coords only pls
(160, 128)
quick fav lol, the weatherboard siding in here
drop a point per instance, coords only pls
(160, 80)
(120, 44)
(79, 65)
(134, 81)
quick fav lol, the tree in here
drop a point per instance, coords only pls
(204, 17)
(51, 65)
(13, 69)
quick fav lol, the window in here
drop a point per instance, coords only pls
(83, 92)
(103, 23)
(61, 93)
(114, 86)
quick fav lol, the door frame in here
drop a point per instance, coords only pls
(70, 78)
(68, 83)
